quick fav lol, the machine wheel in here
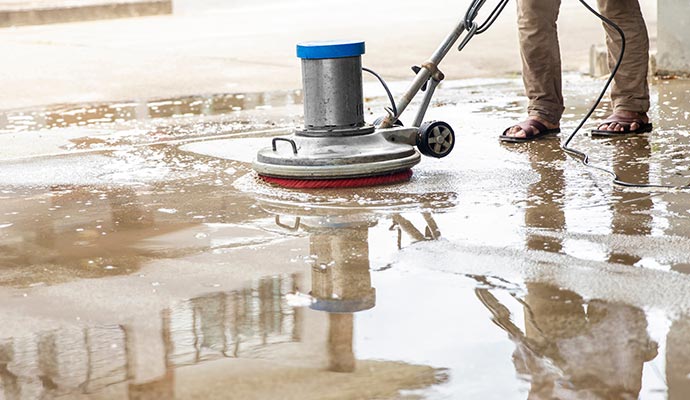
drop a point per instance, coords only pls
(435, 139)
(378, 121)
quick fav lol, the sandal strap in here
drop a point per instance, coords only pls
(623, 120)
(528, 124)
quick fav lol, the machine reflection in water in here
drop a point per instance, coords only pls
(340, 266)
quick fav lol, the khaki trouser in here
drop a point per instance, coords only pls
(541, 60)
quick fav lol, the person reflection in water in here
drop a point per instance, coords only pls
(11, 388)
(545, 198)
(574, 349)
(631, 211)
(570, 348)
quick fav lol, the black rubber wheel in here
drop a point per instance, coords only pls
(378, 121)
(435, 139)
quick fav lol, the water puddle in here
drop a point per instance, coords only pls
(97, 115)
(499, 272)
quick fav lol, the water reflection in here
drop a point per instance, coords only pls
(87, 115)
(61, 235)
(678, 359)
(567, 345)
(572, 348)
(675, 121)
(82, 232)
(545, 198)
(631, 212)
(340, 274)
(670, 143)
(401, 224)
(67, 232)
(340, 282)
(549, 201)
(139, 360)
(238, 323)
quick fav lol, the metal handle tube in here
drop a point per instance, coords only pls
(448, 44)
(470, 34)
(424, 74)
(425, 102)
(436, 81)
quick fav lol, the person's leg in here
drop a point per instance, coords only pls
(630, 90)
(541, 61)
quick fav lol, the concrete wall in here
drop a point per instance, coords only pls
(673, 54)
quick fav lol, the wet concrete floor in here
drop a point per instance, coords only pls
(142, 259)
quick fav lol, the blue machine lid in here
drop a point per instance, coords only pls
(330, 49)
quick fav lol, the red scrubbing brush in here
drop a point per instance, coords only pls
(340, 183)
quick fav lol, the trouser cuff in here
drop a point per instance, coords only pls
(547, 111)
(640, 106)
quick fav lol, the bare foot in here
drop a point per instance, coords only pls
(616, 127)
(517, 131)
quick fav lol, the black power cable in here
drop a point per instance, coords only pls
(394, 108)
(583, 157)
(473, 11)
(492, 17)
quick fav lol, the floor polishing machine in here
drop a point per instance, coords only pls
(336, 148)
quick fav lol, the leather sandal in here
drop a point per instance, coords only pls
(533, 130)
(626, 123)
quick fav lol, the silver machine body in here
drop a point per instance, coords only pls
(333, 97)
(336, 142)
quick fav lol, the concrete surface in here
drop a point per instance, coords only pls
(37, 12)
(140, 257)
(250, 47)
(145, 224)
